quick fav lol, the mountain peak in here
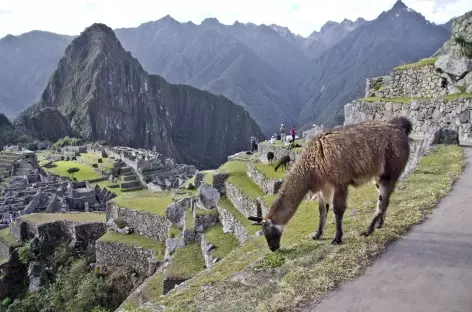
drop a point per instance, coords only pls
(399, 5)
(211, 21)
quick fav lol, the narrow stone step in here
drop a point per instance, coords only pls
(268, 180)
(144, 211)
(216, 244)
(135, 251)
(233, 221)
(186, 262)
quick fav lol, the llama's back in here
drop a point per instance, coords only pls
(357, 152)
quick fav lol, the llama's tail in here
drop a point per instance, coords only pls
(402, 123)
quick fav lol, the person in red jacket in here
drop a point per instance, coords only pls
(292, 132)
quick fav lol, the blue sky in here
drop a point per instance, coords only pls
(301, 16)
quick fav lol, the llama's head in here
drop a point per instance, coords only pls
(272, 232)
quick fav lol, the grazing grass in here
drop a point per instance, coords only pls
(225, 203)
(420, 63)
(92, 158)
(305, 269)
(136, 240)
(269, 172)
(189, 219)
(239, 178)
(153, 289)
(186, 262)
(82, 217)
(86, 173)
(458, 96)
(224, 242)
(402, 100)
(174, 231)
(7, 238)
(208, 178)
(152, 202)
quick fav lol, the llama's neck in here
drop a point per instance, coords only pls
(296, 185)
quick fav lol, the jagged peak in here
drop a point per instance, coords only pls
(211, 21)
(399, 5)
(98, 28)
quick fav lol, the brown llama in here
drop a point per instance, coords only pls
(333, 160)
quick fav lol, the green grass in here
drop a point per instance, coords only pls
(458, 96)
(152, 290)
(92, 158)
(7, 238)
(420, 63)
(402, 100)
(206, 212)
(186, 262)
(189, 219)
(147, 201)
(306, 269)
(208, 178)
(136, 240)
(239, 178)
(107, 184)
(224, 242)
(83, 217)
(174, 231)
(269, 172)
(228, 206)
(86, 173)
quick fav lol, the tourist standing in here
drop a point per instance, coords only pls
(292, 132)
(282, 132)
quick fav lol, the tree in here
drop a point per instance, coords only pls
(72, 171)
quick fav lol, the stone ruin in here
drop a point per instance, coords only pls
(31, 190)
(154, 169)
(313, 131)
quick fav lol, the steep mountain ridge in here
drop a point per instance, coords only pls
(104, 93)
(398, 36)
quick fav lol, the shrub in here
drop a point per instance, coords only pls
(100, 161)
(464, 46)
(95, 165)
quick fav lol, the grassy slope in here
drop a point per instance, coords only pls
(224, 242)
(239, 178)
(269, 172)
(85, 173)
(40, 218)
(137, 240)
(153, 202)
(420, 63)
(186, 262)
(308, 269)
(7, 238)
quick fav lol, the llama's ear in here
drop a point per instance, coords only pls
(257, 219)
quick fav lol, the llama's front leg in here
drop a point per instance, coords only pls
(339, 207)
(386, 188)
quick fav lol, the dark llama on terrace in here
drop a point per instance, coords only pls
(351, 155)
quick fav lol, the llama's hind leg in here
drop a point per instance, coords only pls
(386, 187)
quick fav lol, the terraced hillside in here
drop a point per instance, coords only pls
(303, 269)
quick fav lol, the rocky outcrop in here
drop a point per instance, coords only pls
(207, 196)
(8, 133)
(461, 25)
(101, 92)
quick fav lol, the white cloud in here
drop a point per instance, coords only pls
(301, 16)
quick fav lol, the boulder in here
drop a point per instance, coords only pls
(175, 213)
(468, 82)
(207, 196)
(446, 136)
(453, 65)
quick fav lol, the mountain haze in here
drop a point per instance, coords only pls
(396, 37)
(100, 92)
(274, 74)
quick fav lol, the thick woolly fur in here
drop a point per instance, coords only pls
(331, 161)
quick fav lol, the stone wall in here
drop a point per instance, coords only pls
(219, 180)
(421, 81)
(267, 185)
(247, 206)
(144, 223)
(232, 225)
(424, 114)
(206, 251)
(140, 259)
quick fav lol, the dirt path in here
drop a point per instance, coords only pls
(428, 270)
